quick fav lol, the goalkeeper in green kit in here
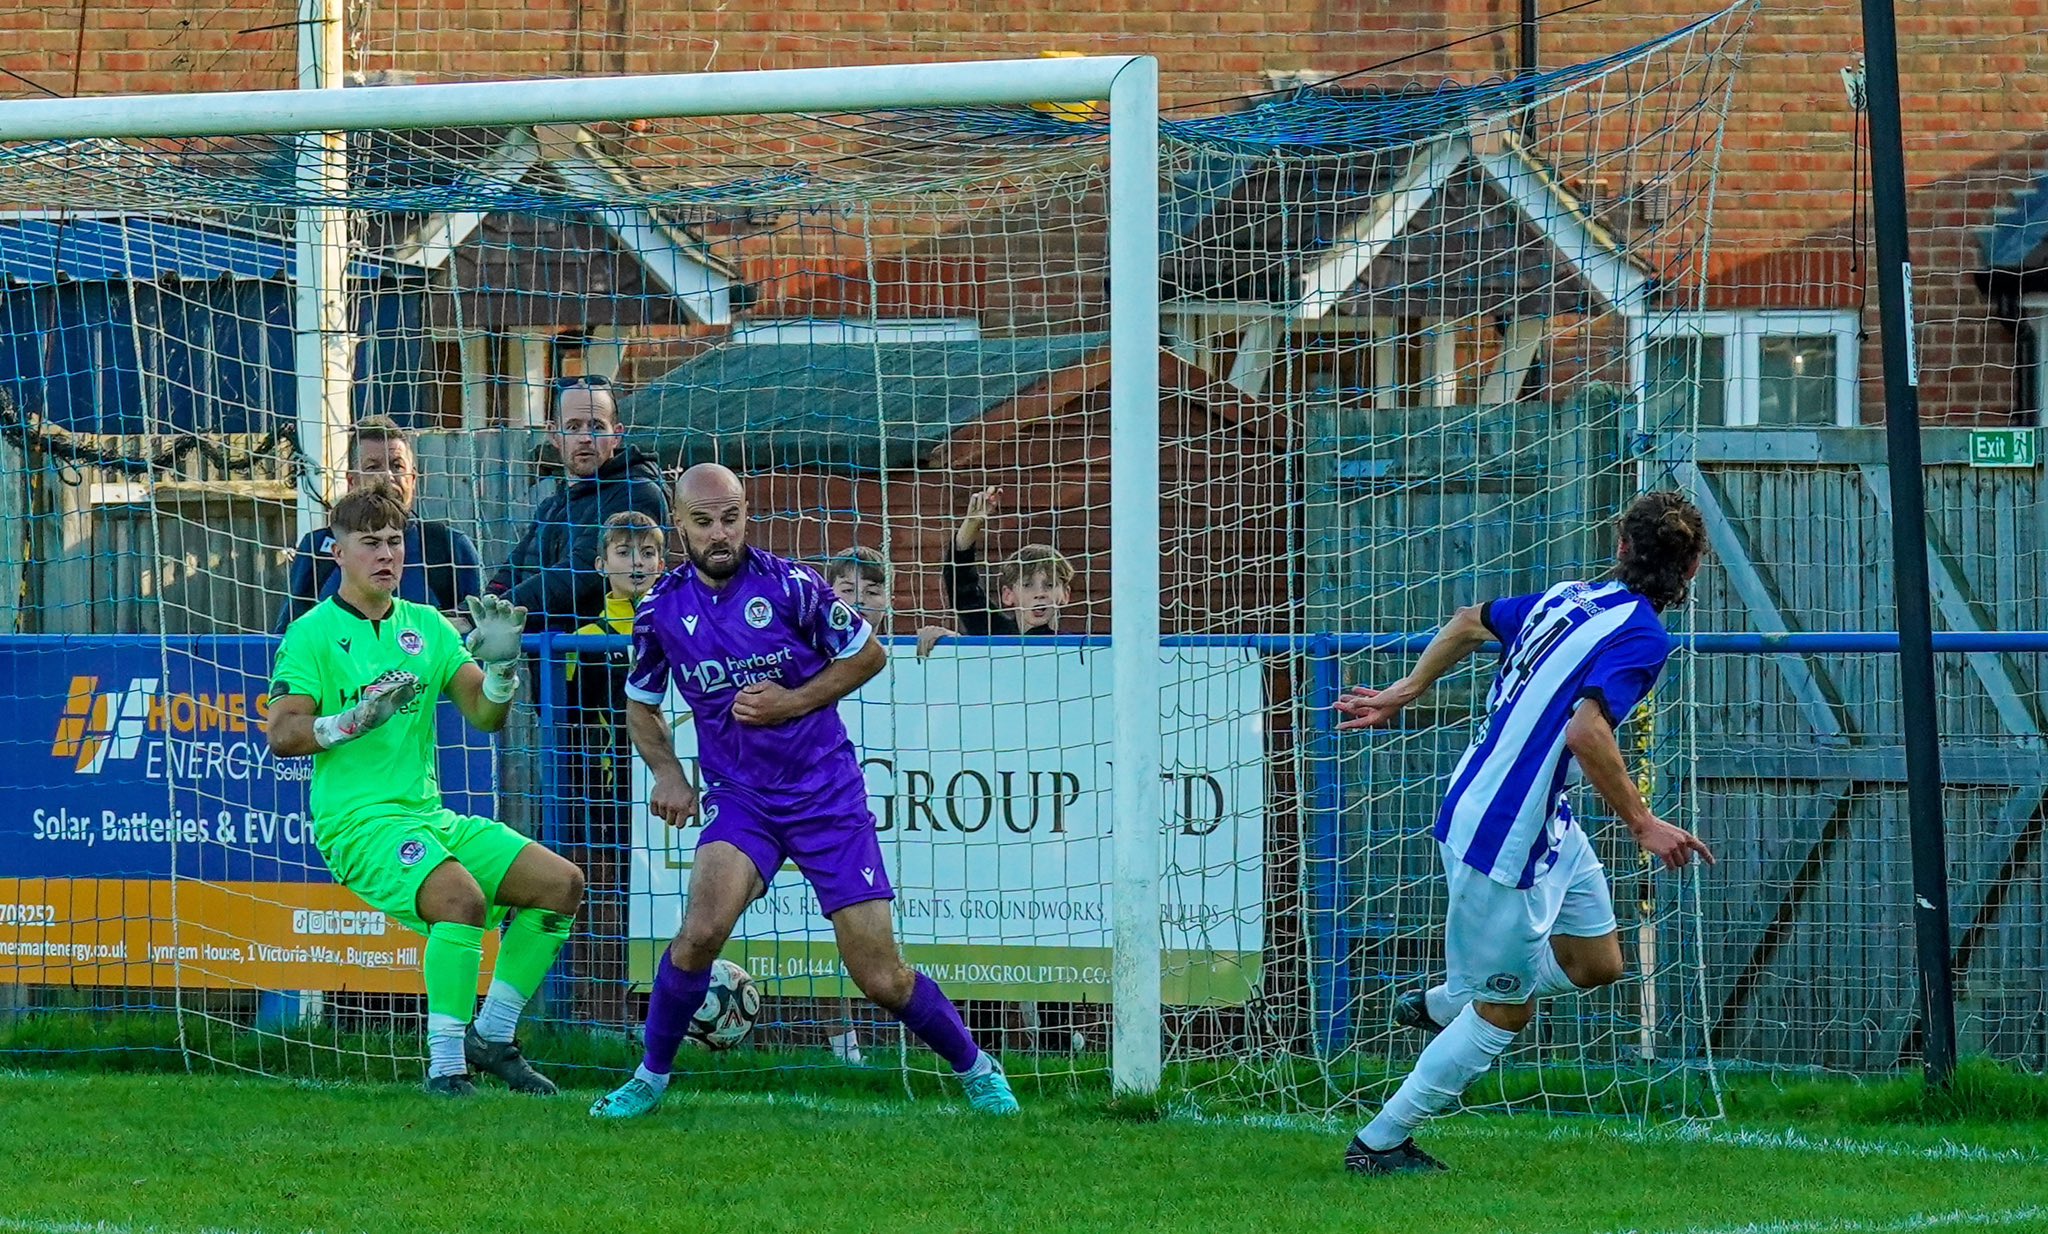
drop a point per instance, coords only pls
(355, 686)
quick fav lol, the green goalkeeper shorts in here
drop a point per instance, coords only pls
(385, 860)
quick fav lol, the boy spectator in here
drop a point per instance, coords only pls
(441, 568)
(599, 773)
(1031, 584)
(861, 577)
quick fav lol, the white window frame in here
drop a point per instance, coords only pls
(2034, 315)
(1742, 354)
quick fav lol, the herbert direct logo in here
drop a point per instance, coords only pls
(97, 727)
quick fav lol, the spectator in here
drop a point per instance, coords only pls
(861, 577)
(440, 562)
(553, 570)
(1031, 584)
(599, 772)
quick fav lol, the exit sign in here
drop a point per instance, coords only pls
(2002, 447)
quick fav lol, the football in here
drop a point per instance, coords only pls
(729, 1009)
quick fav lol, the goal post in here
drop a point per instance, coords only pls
(1131, 86)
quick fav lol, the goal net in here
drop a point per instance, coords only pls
(1407, 355)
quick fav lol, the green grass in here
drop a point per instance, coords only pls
(111, 1130)
(184, 1153)
(772, 1141)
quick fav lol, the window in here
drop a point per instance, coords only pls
(1756, 370)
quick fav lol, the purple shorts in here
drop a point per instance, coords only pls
(835, 847)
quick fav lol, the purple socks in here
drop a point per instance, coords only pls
(929, 1014)
(677, 995)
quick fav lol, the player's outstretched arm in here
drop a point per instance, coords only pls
(1590, 738)
(1462, 635)
(766, 703)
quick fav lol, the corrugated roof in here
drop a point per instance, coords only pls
(857, 406)
(39, 251)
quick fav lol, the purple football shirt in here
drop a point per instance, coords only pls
(774, 620)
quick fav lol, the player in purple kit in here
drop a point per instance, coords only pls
(762, 651)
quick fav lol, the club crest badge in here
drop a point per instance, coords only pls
(759, 614)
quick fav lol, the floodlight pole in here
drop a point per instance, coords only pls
(1909, 543)
(323, 352)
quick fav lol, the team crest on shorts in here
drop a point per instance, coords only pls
(758, 613)
(708, 813)
(1504, 983)
(841, 617)
(410, 852)
(410, 642)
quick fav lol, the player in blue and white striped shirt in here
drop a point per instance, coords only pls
(1530, 914)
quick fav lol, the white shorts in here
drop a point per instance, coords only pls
(1494, 934)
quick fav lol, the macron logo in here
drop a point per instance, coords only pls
(868, 873)
(690, 624)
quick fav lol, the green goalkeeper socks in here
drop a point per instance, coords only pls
(455, 955)
(532, 942)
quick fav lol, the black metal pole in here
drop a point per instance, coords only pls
(1894, 274)
(1526, 48)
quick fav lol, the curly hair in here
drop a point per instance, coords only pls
(1662, 538)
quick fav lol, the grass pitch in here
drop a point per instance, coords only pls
(185, 1153)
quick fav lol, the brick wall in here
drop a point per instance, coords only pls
(1974, 72)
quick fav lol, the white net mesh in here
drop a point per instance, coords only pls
(1407, 343)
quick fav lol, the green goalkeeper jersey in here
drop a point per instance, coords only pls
(329, 655)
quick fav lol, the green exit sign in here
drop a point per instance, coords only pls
(2002, 447)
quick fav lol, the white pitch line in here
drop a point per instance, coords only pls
(1980, 1220)
(1709, 1135)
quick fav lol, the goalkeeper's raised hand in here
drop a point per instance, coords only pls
(381, 699)
(496, 626)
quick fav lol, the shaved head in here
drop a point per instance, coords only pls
(711, 514)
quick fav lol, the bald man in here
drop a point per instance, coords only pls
(762, 651)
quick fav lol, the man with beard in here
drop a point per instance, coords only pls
(762, 652)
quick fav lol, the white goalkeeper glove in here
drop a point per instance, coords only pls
(496, 626)
(381, 699)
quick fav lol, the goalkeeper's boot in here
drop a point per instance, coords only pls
(1402, 1158)
(457, 1085)
(1411, 1010)
(989, 1091)
(503, 1060)
(629, 1100)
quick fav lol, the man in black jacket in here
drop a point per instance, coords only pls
(441, 566)
(552, 572)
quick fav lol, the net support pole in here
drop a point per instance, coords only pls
(322, 350)
(1909, 543)
(1134, 594)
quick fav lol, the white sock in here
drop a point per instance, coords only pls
(1441, 1006)
(1551, 981)
(1458, 1056)
(444, 1046)
(846, 1046)
(659, 1083)
(984, 1062)
(500, 1015)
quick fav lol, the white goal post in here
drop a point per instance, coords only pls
(1129, 83)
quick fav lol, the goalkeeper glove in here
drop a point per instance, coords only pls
(381, 699)
(496, 626)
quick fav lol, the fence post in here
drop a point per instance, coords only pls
(1329, 965)
(1909, 542)
(557, 994)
